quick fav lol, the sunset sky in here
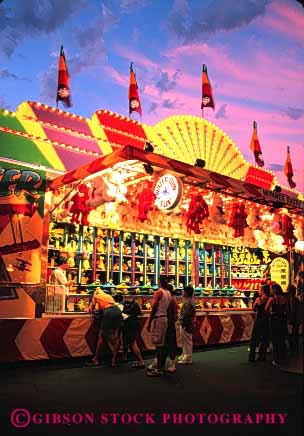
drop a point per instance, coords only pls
(254, 50)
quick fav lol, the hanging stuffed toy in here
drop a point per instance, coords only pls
(254, 220)
(276, 225)
(238, 219)
(216, 210)
(145, 201)
(287, 229)
(198, 211)
(299, 232)
(107, 188)
(79, 206)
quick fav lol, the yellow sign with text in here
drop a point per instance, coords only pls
(279, 271)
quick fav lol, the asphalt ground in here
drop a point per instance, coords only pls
(221, 383)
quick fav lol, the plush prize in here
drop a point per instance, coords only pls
(216, 210)
(79, 206)
(253, 219)
(238, 219)
(276, 225)
(198, 211)
(145, 201)
(287, 229)
(71, 260)
(85, 260)
(107, 188)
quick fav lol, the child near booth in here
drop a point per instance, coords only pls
(187, 325)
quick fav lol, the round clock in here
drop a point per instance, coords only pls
(168, 191)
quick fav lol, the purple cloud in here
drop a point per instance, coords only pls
(91, 51)
(4, 104)
(293, 113)
(222, 112)
(275, 167)
(170, 104)
(153, 107)
(192, 23)
(34, 17)
(6, 74)
(165, 83)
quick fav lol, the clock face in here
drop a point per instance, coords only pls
(168, 191)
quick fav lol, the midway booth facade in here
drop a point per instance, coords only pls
(125, 203)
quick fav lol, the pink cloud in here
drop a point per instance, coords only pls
(119, 79)
(287, 19)
(133, 56)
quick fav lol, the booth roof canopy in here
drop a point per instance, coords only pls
(59, 140)
(191, 175)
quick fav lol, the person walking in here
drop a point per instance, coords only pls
(110, 325)
(293, 318)
(276, 306)
(187, 325)
(260, 332)
(131, 330)
(158, 324)
(170, 341)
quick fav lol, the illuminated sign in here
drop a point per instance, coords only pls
(168, 192)
(283, 198)
(279, 271)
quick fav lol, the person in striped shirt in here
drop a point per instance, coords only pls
(187, 325)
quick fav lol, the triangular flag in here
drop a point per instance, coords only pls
(63, 90)
(288, 171)
(255, 146)
(134, 102)
(207, 97)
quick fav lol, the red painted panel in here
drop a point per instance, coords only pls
(52, 339)
(110, 120)
(197, 337)
(62, 119)
(259, 177)
(92, 335)
(217, 329)
(239, 327)
(119, 138)
(9, 329)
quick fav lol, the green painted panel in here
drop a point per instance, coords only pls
(22, 149)
(10, 121)
(16, 147)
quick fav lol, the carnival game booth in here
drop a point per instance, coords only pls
(126, 203)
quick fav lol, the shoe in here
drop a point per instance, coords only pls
(170, 369)
(155, 373)
(92, 363)
(137, 365)
(181, 357)
(153, 365)
(274, 363)
(185, 361)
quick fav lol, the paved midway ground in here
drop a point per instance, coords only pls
(219, 381)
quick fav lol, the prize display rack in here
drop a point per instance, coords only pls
(132, 263)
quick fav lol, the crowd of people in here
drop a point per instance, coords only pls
(278, 320)
(279, 317)
(118, 325)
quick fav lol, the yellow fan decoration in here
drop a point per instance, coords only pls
(188, 138)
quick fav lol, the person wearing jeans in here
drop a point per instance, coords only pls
(158, 325)
(187, 325)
